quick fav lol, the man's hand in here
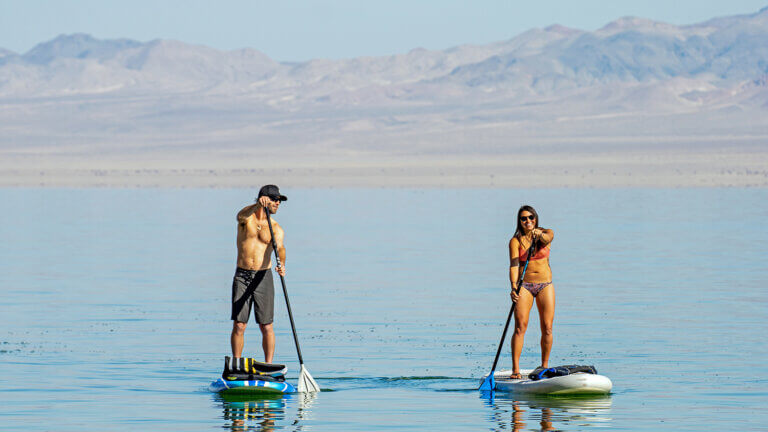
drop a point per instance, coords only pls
(265, 201)
(280, 270)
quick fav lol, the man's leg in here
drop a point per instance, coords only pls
(238, 338)
(241, 310)
(264, 297)
(267, 341)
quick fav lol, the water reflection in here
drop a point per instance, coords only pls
(266, 413)
(247, 413)
(304, 412)
(519, 413)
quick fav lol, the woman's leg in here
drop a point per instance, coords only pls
(545, 303)
(522, 311)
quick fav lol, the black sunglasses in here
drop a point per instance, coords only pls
(525, 218)
(275, 198)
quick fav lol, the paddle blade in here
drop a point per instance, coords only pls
(307, 384)
(488, 384)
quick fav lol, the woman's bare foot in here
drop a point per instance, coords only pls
(515, 375)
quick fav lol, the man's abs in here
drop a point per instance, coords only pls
(253, 250)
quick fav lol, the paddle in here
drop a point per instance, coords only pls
(306, 382)
(489, 383)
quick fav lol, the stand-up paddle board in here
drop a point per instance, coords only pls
(247, 376)
(578, 383)
(250, 387)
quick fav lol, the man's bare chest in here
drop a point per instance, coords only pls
(256, 230)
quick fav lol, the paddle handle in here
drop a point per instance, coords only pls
(531, 251)
(285, 290)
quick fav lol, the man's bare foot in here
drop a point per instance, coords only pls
(515, 375)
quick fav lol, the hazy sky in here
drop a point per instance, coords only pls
(299, 30)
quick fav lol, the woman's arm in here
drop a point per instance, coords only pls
(544, 235)
(514, 266)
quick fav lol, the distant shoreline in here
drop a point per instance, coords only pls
(745, 169)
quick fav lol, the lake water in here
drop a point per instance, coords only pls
(115, 308)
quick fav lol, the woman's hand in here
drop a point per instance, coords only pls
(514, 295)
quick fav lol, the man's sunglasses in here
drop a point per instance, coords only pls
(525, 218)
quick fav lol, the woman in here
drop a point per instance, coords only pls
(536, 284)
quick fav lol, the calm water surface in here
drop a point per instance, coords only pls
(115, 309)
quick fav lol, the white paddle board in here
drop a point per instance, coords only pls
(578, 383)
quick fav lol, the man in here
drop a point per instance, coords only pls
(252, 285)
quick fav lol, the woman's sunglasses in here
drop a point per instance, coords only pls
(525, 218)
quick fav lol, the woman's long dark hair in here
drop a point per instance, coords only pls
(529, 209)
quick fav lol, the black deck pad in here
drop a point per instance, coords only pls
(249, 366)
(543, 373)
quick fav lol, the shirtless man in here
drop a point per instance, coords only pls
(252, 285)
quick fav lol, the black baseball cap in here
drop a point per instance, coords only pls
(271, 191)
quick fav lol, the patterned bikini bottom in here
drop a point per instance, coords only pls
(535, 288)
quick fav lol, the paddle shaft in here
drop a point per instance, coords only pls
(285, 290)
(531, 251)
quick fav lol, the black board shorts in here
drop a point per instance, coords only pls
(253, 288)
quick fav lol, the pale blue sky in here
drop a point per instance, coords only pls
(300, 30)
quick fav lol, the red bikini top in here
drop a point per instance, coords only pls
(540, 254)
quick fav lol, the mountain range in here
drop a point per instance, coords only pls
(722, 51)
(632, 84)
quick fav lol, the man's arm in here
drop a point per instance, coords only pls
(246, 212)
(279, 236)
